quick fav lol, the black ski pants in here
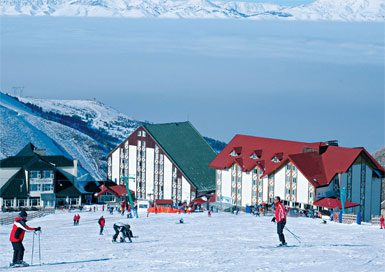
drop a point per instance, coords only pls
(101, 229)
(280, 227)
(18, 252)
(117, 230)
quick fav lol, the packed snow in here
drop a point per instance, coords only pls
(222, 242)
(339, 10)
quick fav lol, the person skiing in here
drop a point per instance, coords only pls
(101, 222)
(75, 219)
(280, 218)
(125, 231)
(17, 235)
(382, 222)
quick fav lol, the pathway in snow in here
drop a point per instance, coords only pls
(223, 242)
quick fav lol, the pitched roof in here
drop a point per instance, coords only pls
(265, 148)
(27, 156)
(320, 169)
(116, 190)
(69, 191)
(188, 150)
(332, 203)
(15, 186)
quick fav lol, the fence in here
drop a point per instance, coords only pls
(349, 218)
(8, 219)
(375, 221)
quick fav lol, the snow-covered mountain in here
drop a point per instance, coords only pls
(86, 130)
(339, 10)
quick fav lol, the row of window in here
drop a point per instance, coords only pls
(22, 202)
(41, 187)
(141, 133)
(41, 174)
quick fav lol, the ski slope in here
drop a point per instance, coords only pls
(223, 242)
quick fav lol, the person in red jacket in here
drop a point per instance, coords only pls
(382, 222)
(75, 219)
(280, 218)
(101, 222)
(17, 235)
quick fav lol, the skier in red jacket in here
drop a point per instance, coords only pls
(101, 222)
(280, 218)
(382, 222)
(17, 235)
(75, 219)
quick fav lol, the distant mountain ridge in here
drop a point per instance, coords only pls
(86, 130)
(334, 10)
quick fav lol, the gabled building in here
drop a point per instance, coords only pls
(252, 170)
(168, 161)
(32, 179)
(113, 193)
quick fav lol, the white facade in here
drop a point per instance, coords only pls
(156, 175)
(246, 188)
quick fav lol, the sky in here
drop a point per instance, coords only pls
(303, 81)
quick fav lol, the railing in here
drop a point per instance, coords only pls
(6, 220)
(375, 221)
(349, 218)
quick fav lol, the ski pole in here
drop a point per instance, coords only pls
(39, 250)
(33, 244)
(295, 236)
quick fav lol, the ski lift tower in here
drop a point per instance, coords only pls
(126, 179)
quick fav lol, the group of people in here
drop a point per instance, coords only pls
(76, 219)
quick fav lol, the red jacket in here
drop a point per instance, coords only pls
(75, 217)
(382, 219)
(18, 230)
(280, 213)
(102, 221)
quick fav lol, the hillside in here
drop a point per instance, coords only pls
(86, 130)
(334, 10)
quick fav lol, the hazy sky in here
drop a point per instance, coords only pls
(305, 81)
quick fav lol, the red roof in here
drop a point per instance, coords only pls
(116, 190)
(321, 169)
(163, 201)
(331, 203)
(264, 148)
(199, 201)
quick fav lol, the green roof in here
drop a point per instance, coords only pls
(15, 186)
(34, 160)
(188, 150)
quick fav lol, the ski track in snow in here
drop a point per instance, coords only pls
(223, 242)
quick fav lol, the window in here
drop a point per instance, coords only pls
(294, 168)
(47, 187)
(260, 194)
(260, 172)
(143, 133)
(156, 167)
(311, 195)
(35, 201)
(288, 191)
(144, 144)
(275, 159)
(34, 187)
(294, 180)
(139, 143)
(160, 178)
(34, 174)
(161, 167)
(47, 174)
(233, 167)
(293, 192)
(161, 157)
(233, 178)
(271, 188)
(260, 183)
(233, 154)
(239, 179)
(254, 182)
(287, 178)
(253, 156)
(255, 170)
(139, 133)
(288, 166)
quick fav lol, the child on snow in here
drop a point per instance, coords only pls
(124, 231)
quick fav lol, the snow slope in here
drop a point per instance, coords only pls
(223, 242)
(19, 125)
(340, 10)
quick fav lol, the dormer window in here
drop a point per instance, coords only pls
(236, 151)
(139, 133)
(275, 159)
(253, 156)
